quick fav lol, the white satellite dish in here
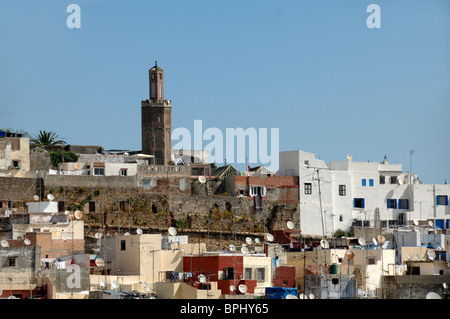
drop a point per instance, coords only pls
(324, 243)
(361, 241)
(248, 240)
(290, 296)
(114, 284)
(99, 262)
(201, 278)
(202, 179)
(139, 231)
(432, 295)
(102, 284)
(36, 197)
(149, 289)
(408, 256)
(374, 241)
(127, 234)
(232, 288)
(311, 296)
(8, 213)
(444, 285)
(416, 256)
(98, 235)
(268, 237)
(78, 214)
(4, 243)
(172, 231)
(242, 288)
(416, 222)
(301, 296)
(50, 197)
(27, 242)
(431, 223)
(381, 239)
(349, 157)
(244, 250)
(232, 247)
(431, 254)
(257, 240)
(290, 225)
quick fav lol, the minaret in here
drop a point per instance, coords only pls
(156, 119)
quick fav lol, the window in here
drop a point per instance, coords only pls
(228, 273)
(153, 90)
(403, 204)
(16, 164)
(99, 171)
(358, 203)
(371, 182)
(160, 90)
(391, 203)
(442, 200)
(160, 76)
(91, 207)
(123, 245)
(382, 179)
(394, 180)
(12, 261)
(308, 188)
(248, 273)
(371, 261)
(366, 223)
(335, 281)
(260, 274)
(342, 190)
(363, 182)
(123, 172)
(153, 76)
(61, 206)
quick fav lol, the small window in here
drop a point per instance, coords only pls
(248, 273)
(123, 172)
(308, 188)
(16, 164)
(403, 204)
(391, 203)
(99, 171)
(382, 180)
(261, 274)
(371, 261)
(12, 261)
(442, 200)
(342, 190)
(394, 180)
(363, 182)
(92, 207)
(123, 245)
(358, 203)
(335, 281)
(371, 182)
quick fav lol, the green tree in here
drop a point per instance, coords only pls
(44, 139)
(58, 157)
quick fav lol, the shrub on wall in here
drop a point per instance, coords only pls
(58, 157)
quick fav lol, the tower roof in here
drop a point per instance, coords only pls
(156, 67)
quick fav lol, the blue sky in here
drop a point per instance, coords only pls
(313, 69)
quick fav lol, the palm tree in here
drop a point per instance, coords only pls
(44, 139)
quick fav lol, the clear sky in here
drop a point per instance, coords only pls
(313, 69)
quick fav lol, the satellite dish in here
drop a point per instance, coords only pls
(311, 296)
(70, 215)
(78, 214)
(4, 243)
(50, 197)
(381, 239)
(114, 284)
(202, 179)
(149, 289)
(374, 241)
(349, 157)
(127, 234)
(431, 223)
(139, 231)
(290, 296)
(172, 231)
(232, 247)
(361, 241)
(416, 222)
(432, 295)
(408, 256)
(99, 262)
(444, 285)
(1, 291)
(257, 240)
(244, 250)
(248, 240)
(102, 283)
(27, 242)
(350, 254)
(290, 225)
(242, 288)
(8, 213)
(268, 237)
(98, 235)
(324, 243)
(416, 256)
(232, 288)
(36, 197)
(301, 296)
(201, 278)
(431, 254)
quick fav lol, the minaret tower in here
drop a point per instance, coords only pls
(156, 119)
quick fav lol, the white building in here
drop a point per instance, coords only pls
(344, 193)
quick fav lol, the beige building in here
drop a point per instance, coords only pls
(14, 156)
